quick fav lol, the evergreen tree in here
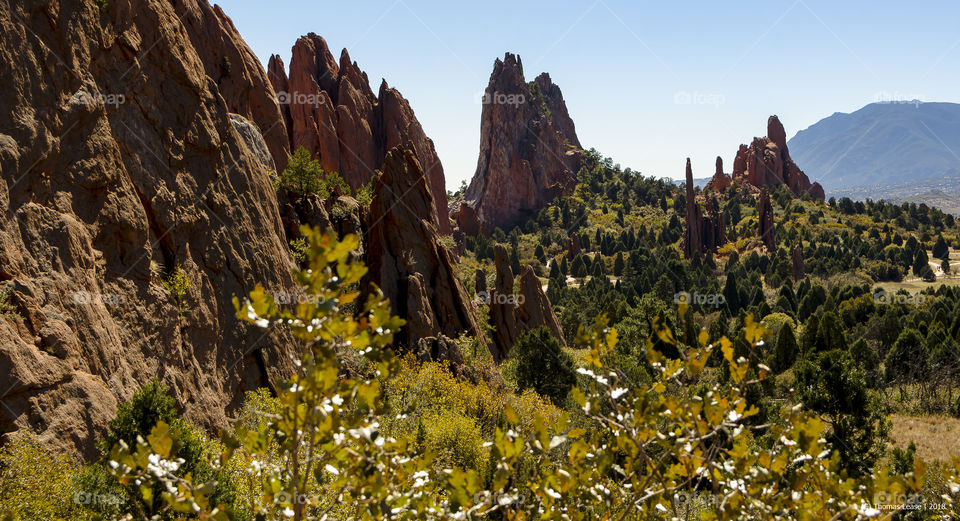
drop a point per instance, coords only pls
(554, 269)
(542, 365)
(808, 339)
(514, 261)
(940, 249)
(908, 360)
(830, 333)
(731, 292)
(785, 351)
(831, 383)
(579, 268)
(618, 264)
(867, 359)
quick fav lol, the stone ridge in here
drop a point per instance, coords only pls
(330, 109)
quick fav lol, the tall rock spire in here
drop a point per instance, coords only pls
(529, 151)
(336, 116)
(766, 163)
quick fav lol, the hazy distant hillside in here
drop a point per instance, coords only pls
(881, 144)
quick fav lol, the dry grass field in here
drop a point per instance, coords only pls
(936, 437)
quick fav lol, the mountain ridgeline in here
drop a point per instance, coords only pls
(882, 144)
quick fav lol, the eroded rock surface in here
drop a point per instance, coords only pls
(332, 112)
(529, 151)
(124, 163)
(702, 233)
(513, 314)
(407, 259)
(767, 163)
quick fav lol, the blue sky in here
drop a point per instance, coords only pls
(647, 83)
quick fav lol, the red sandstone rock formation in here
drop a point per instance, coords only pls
(511, 315)
(766, 229)
(720, 181)
(277, 74)
(766, 163)
(134, 166)
(573, 245)
(335, 115)
(407, 259)
(799, 269)
(467, 220)
(529, 151)
(702, 234)
(237, 72)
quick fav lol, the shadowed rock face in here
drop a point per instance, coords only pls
(766, 230)
(511, 315)
(407, 259)
(529, 151)
(119, 161)
(237, 72)
(702, 234)
(798, 270)
(332, 112)
(766, 163)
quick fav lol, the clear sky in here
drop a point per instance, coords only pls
(647, 83)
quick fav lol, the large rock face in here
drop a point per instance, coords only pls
(119, 161)
(513, 314)
(529, 151)
(702, 234)
(333, 113)
(767, 163)
(237, 72)
(407, 259)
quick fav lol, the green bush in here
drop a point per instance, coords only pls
(36, 485)
(455, 440)
(304, 176)
(542, 365)
(136, 419)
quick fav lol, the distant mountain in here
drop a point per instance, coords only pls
(881, 144)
